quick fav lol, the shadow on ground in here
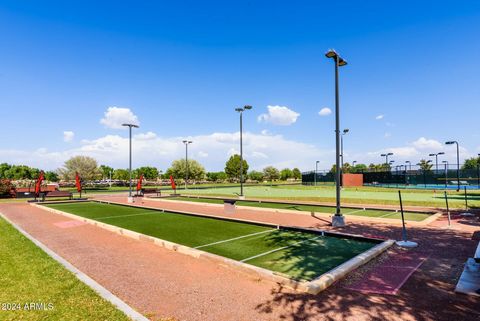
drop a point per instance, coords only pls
(427, 295)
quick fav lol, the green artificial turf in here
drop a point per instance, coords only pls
(353, 195)
(300, 255)
(29, 275)
(411, 216)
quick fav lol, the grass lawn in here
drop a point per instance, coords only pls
(300, 255)
(352, 195)
(411, 216)
(29, 275)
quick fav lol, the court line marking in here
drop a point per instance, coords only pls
(128, 215)
(385, 215)
(279, 249)
(234, 239)
(355, 211)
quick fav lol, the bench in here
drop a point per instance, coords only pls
(57, 194)
(151, 191)
(461, 182)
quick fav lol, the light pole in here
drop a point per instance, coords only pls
(240, 111)
(186, 142)
(451, 142)
(436, 159)
(130, 126)
(478, 171)
(386, 157)
(316, 170)
(345, 131)
(338, 219)
(446, 172)
(409, 165)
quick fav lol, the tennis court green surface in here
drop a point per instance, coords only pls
(410, 216)
(297, 254)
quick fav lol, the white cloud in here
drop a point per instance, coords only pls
(379, 117)
(146, 136)
(212, 150)
(265, 132)
(427, 144)
(279, 115)
(325, 111)
(114, 117)
(387, 135)
(68, 136)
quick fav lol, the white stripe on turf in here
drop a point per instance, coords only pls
(279, 249)
(355, 211)
(128, 215)
(388, 214)
(235, 238)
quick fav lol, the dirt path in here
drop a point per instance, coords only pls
(162, 283)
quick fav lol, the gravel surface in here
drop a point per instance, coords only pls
(161, 283)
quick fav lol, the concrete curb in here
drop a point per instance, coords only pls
(359, 218)
(312, 287)
(103, 292)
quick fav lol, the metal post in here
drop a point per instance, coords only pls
(466, 199)
(404, 242)
(130, 198)
(446, 175)
(337, 140)
(186, 164)
(130, 162)
(458, 168)
(241, 154)
(478, 175)
(448, 209)
(315, 175)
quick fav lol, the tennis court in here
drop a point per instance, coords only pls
(298, 255)
(379, 213)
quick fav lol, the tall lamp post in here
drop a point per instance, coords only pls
(345, 131)
(240, 111)
(316, 170)
(130, 126)
(386, 157)
(446, 172)
(338, 219)
(451, 142)
(409, 165)
(436, 159)
(186, 142)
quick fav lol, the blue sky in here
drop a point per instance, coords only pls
(182, 67)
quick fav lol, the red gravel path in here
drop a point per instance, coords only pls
(161, 283)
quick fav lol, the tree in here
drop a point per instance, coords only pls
(270, 173)
(296, 173)
(471, 163)
(17, 172)
(347, 168)
(359, 168)
(232, 167)
(425, 165)
(195, 170)
(86, 167)
(106, 171)
(3, 168)
(256, 176)
(285, 174)
(148, 172)
(121, 174)
(216, 176)
(51, 176)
